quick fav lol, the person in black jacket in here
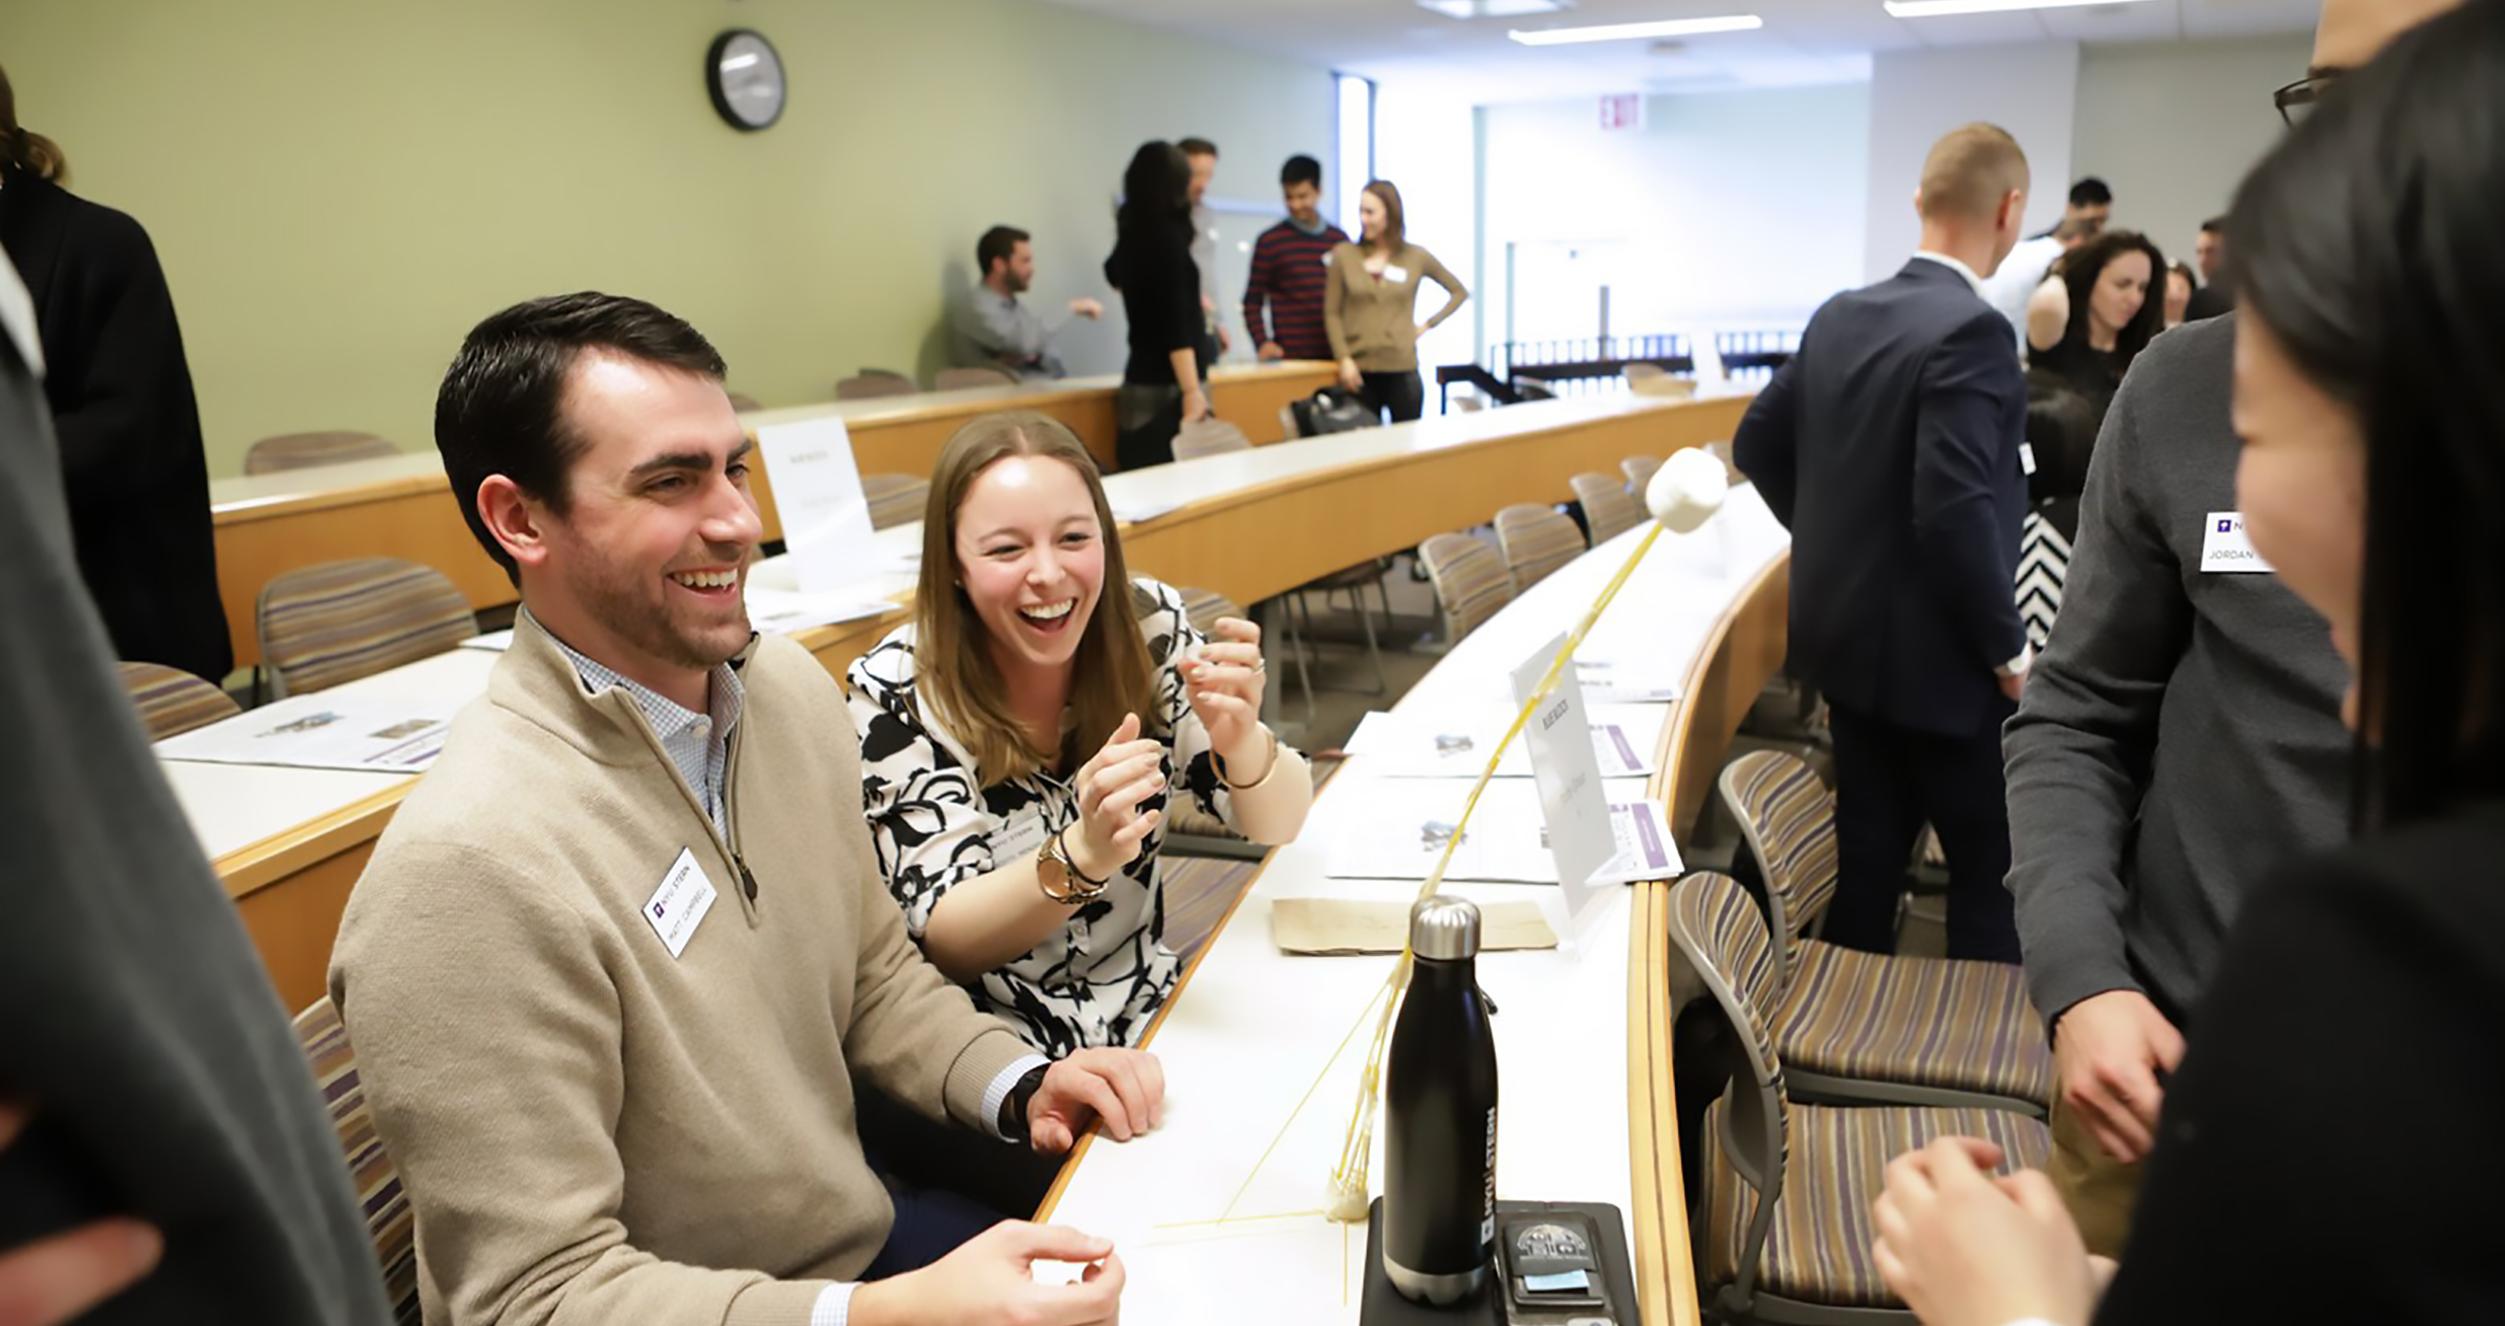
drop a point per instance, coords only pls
(1889, 447)
(2327, 1149)
(1163, 385)
(163, 1153)
(131, 459)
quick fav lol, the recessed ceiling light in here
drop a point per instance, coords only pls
(1495, 8)
(1944, 8)
(1674, 27)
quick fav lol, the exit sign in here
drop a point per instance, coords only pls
(1622, 110)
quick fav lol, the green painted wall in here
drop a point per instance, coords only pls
(339, 189)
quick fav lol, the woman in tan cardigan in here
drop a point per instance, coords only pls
(1370, 307)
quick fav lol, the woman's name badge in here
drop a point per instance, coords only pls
(1396, 274)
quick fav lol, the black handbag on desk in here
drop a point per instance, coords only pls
(1331, 410)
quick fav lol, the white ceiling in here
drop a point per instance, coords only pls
(1803, 41)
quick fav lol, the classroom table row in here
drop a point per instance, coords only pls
(290, 842)
(401, 506)
(1219, 1214)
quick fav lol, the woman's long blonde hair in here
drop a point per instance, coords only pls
(953, 668)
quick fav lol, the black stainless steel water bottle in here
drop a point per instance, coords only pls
(1439, 1173)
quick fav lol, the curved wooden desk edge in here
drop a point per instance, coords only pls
(1742, 651)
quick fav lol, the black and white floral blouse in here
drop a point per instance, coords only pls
(1097, 980)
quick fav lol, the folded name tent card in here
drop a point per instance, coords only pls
(1359, 925)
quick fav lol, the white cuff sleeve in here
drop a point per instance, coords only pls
(2017, 667)
(834, 1305)
(999, 1091)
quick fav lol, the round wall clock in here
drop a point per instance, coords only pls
(745, 77)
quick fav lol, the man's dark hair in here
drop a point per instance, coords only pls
(2216, 225)
(996, 245)
(2091, 192)
(501, 409)
(1301, 169)
(1197, 147)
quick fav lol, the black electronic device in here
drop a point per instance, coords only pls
(1557, 1264)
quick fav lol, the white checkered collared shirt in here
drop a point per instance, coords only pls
(698, 744)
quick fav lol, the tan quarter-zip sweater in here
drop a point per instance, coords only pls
(590, 1129)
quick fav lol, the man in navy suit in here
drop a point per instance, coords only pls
(1889, 447)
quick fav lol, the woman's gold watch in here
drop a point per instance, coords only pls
(1061, 879)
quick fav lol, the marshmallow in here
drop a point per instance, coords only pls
(1687, 490)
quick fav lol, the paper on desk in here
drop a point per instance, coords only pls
(1367, 925)
(373, 734)
(1620, 681)
(492, 641)
(784, 611)
(1138, 511)
(1455, 744)
(1397, 827)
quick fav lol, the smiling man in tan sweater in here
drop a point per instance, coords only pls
(615, 965)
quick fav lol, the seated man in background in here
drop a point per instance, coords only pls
(607, 1004)
(990, 328)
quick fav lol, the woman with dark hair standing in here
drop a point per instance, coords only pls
(2181, 285)
(2328, 1148)
(1164, 384)
(120, 390)
(2084, 330)
(1370, 306)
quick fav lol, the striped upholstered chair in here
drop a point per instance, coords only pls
(1639, 471)
(334, 622)
(1783, 1226)
(871, 383)
(895, 499)
(171, 700)
(1606, 506)
(1536, 541)
(298, 451)
(958, 379)
(388, 1220)
(1471, 581)
(1859, 1026)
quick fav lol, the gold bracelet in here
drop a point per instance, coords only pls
(1229, 780)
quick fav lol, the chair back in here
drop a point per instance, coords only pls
(2043, 564)
(1721, 939)
(1536, 541)
(1205, 606)
(895, 499)
(171, 701)
(743, 402)
(388, 1219)
(1209, 437)
(1606, 506)
(1639, 471)
(1471, 582)
(869, 385)
(1664, 386)
(299, 451)
(1635, 373)
(954, 379)
(334, 622)
(1787, 816)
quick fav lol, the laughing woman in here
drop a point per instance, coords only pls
(1021, 736)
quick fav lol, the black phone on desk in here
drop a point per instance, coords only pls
(1557, 1264)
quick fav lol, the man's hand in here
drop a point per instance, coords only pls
(2108, 1049)
(1272, 350)
(59, 1278)
(1123, 1089)
(991, 1277)
(2013, 684)
(1087, 308)
(1965, 1249)
(1226, 341)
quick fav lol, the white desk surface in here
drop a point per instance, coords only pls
(233, 806)
(1212, 1232)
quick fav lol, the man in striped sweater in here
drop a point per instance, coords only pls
(1289, 270)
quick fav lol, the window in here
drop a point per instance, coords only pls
(1356, 147)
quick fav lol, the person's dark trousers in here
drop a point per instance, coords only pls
(1890, 781)
(1403, 394)
(930, 1224)
(1006, 1178)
